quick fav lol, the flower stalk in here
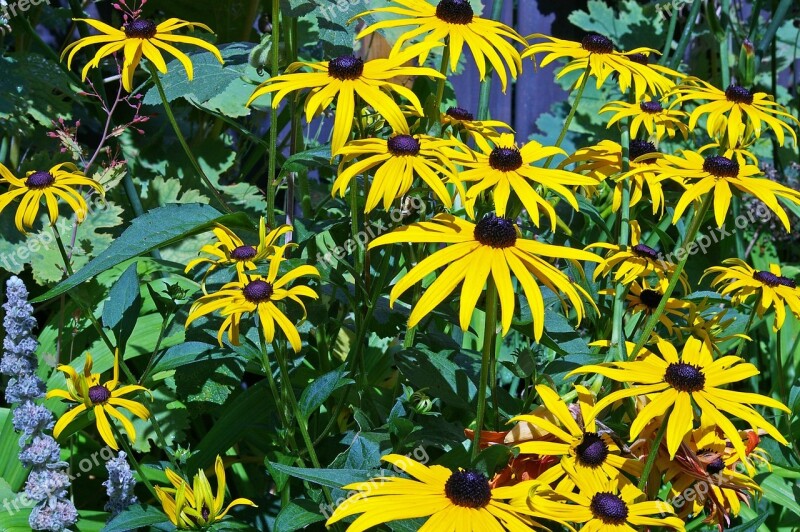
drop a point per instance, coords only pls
(487, 358)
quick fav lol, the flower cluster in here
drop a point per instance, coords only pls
(48, 480)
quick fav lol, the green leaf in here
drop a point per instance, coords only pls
(779, 492)
(335, 34)
(157, 228)
(11, 470)
(321, 389)
(220, 88)
(331, 478)
(139, 516)
(751, 525)
(123, 305)
(437, 373)
(298, 514)
(189, 353)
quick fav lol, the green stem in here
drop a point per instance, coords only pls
(272, 186)
(489, 333)
(486, 85)
(437, 104)
(570, 116)
(673, 282)
(686, 36)
(775, 23)
(300, 418)
(182, 139)
(724, 48)
(618, 326)
(673, 23)
(746, 330)
(651, 457)
(133, 460)
(279, 403)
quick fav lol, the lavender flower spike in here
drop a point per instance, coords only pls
(120, 485)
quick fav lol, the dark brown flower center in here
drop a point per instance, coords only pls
(651, 298)
(645, 252)
(642, 147)
(257, 291)
(140, 28)
(469, 489)
(720, 166)
(460, 114)
(609, 508)
(770, 279)
(39, 180)
(99, 394)
(455, 11)
(641, 59)
(496, 232)
(205, 512)
(346, 67)
(403, 145)
(737, 94)
(597, 44)
(716, 466)
(592, 451)
(685, 377)
(243, 253)
(651, 107)
(505, 159)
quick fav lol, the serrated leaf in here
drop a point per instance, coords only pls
(152, 230)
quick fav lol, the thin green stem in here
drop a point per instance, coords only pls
(673, 282)
(673, 23)
(133, 460)
(746, 331)
(440, 85)
(279, 403)
(618, 326)
(272, 185)
(688, 32)
(486, 85)
(775, 23)
(651, 457)
(724, 48)
(489, 333)
(570, 116)
(182, 140)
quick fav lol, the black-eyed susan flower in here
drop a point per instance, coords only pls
(462, 499)
(196, 506)
(229, 249)
(707, 322)
(595, 56)
(719, 175)
(256, 295)
(579, 443)
(346, 77)
(741, 281)
(488, 40)
(606, 506)
(741, 152)
(650, 115)
(644, 297)
(604, 160)
(707, 464)
(731, 110)
(637, 261)
(140, 37)
(681, 382)
(463, 120)
(493, 247)
(503, 167)
(61, 182)
(399, 160)
(102, 399)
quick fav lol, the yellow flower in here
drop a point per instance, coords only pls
(637, 261)
(719, 175)
(86, 390)
(463, 120)
(491, 247)
(729, 111)
(231, 250)
(139, 37)
(454, 20)
(605, 506)
(649, 114)
(681, 381)
(462, 500)
(257, 295)
(773, 290)
(346, 77)
(595, 56)
(644, 297)
(60, 182)
(399, 160)
(579, 443)
(200, 507)
(503, 167)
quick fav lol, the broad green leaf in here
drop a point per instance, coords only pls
(124, 302)
(331, 478)
(439, 375)
(139, 516)
(780, 492)
(320, 390)
(189, 353)
(157, 228)
(297, 515)
(11, 470)
(751, 525)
